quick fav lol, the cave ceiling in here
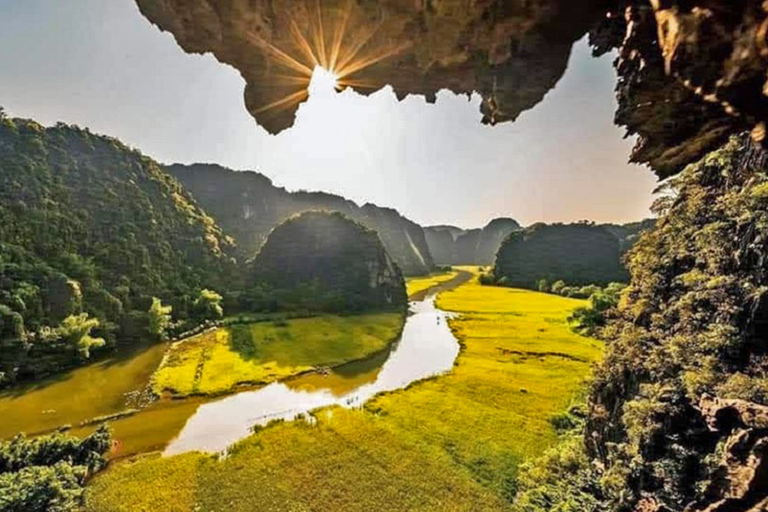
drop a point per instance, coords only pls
(689, 73)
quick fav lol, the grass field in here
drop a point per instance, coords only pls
(415, 285)
(216, 362)
(450, 443)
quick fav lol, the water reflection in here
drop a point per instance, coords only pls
(427, 347)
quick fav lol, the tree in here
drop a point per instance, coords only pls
(48, 473)
(590, 318)
(76, 331)
(543, 285)
(159, 319)
(208, 306)
(558, 286)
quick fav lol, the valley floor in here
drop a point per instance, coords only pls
(418, 285)
(453, 442)
(218, 361)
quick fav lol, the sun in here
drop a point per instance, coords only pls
(323, 81)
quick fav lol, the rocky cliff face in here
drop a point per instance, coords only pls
(690, 72)
(450, 245)
(248, 206)
(328, 262)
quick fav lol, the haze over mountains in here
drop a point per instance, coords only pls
(90, 226)
(247, 205)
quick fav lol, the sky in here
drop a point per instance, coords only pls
(100, 64)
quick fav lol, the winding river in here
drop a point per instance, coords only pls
(426, 348)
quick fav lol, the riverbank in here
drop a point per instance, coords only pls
(453, 442)
(219, 361)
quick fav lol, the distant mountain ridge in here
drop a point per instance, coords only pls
(247, 205)
(451, 245)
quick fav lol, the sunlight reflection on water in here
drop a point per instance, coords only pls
(427, 347)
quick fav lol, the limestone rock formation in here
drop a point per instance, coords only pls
(441, 242)
(450, 245)
(579, 254)
(690, 73)
(328, 262)
(511, 52)
(248, 206)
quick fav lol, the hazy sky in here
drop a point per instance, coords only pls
(100, 64)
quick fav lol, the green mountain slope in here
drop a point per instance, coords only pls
(88, 225)
(578, 254)
(323, 261)
(248, 206)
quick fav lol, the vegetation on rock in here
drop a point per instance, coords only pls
(248, 206)
(450, 245)
(90, 227)
(579, 254)
(322, 261)
(679, 406)
(691, 327)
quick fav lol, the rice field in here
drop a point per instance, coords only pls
(451, 443)
(414, 285)
(218, 361)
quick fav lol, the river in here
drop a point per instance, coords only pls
(426, 348)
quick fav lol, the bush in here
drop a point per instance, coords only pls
(589, 319)
(48, 473)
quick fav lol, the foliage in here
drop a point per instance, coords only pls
(579, 254)
(207, 306)
(159, 319)
(692, 323)
(76, 331)
(326, 262)
(588, 319)
(88, 225)
(557, 287)
(47, 474)
(454, 442)
(217, 361)
(563, 480)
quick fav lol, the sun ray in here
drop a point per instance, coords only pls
(358, 65)
(303, 43)
(285, 102)
(356, 84)
(320, 36)
(280, 56)
(356, 47)
(338, 36)
(280, 78)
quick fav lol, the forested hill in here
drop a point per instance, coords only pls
(628, 233)
(320, 261)
(248, 206)
(578, 254)
(452, 245)
(88, 225)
